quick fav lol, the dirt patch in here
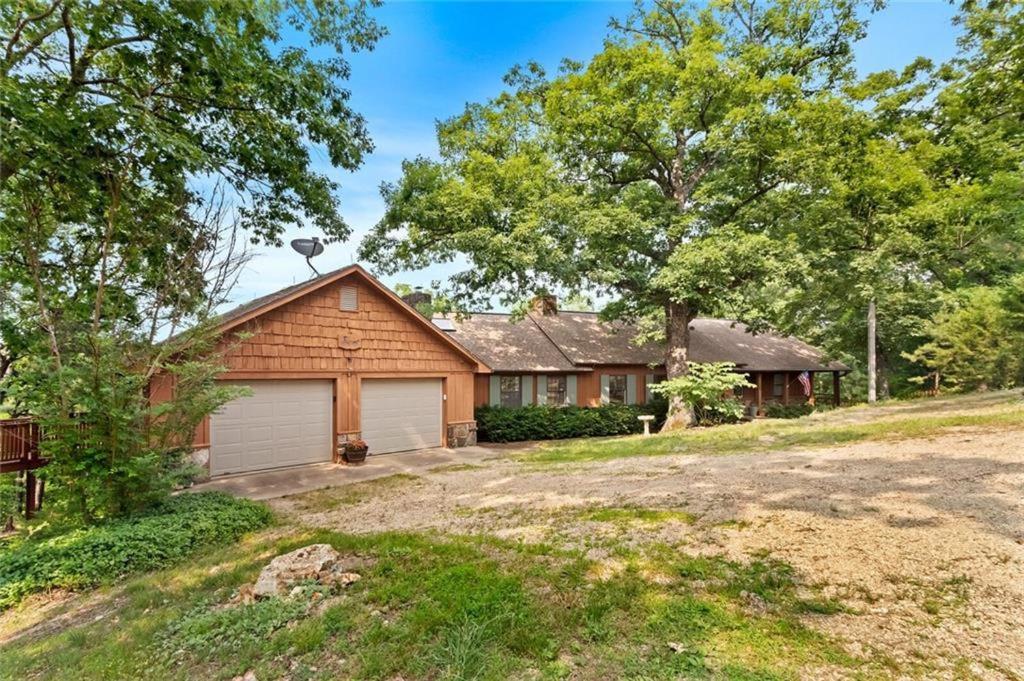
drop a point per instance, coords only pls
(921, 539)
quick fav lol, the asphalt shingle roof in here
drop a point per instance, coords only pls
(570, 340)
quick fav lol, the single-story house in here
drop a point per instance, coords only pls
(558, 357)
(341, 357)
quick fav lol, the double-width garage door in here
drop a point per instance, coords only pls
(287, 423)
(401, 414)
(282, 423)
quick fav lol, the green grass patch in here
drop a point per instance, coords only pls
(455, 468)
(627, 514)
(334, 498)
(451, 608)
(770, 435)
(168, 534)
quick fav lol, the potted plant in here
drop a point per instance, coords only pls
(354, 451)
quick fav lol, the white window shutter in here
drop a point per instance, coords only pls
(630, 388)
(570, 389)
(605, 390)
(542, 389)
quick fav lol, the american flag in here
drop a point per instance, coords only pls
(805, 381)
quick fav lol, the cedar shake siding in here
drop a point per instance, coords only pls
(339, 330)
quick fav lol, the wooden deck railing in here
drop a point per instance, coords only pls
(19, 445)
(19, 451)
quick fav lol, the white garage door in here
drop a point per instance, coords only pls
(282, 423)
(401, 414)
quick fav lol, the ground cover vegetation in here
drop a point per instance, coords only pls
(452, 607)
(165, 534)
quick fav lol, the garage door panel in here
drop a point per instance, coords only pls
(401, 414)
(282, 423)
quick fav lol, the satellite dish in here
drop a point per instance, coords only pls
(310, 248)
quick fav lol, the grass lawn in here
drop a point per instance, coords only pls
(1004, 409)
(451, 608)
(650, 592)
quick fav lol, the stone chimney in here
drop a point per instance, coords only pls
(545, 304)
(418, 297)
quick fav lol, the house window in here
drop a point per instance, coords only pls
(778, 385)
(617, 389)
(556, 390)
(349, 298)
(511, 391)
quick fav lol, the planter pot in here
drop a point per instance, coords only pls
(355, 455)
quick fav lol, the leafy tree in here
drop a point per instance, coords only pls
(975, 341)
(916, 191)
(177, 91)
(708, 389)
(638, 174)
(861, 248)
(127, 129)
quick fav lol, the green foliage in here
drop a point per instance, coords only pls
(775, 410)
(111, 450)
(707, 389)
(169, 533)
(10, 490)
(147, 96)
(125, 126)
(538, 422)
(977, 340)
(640, 173)
(453, 608)
(208, 633)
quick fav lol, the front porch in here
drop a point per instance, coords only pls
(785, 388)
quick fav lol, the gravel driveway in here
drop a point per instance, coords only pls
(922, 540)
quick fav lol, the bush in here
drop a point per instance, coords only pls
(774, 410)
(501, 424)
(167, 534)
(705, 390)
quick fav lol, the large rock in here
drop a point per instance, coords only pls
(313, 562)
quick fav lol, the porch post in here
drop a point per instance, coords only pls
(835, 388)
(812, 375)
(785, 387)
(760, 401)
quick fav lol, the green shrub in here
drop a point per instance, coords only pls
(501, 424)
(167, 534)
(706, 389)
(774, 410)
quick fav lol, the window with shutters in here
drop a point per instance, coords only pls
(557, 390)
(617, 389)
(511, 391)
(349, 298)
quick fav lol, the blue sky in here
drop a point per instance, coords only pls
(440, 55)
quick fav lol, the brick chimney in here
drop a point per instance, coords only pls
(545, 304)
(418, 297)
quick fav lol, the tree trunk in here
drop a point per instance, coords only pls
(881, 371)
(872, 363)
(677, 351)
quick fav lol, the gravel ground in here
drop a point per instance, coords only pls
(922, 539)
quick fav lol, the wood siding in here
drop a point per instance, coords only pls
(588, 384)
(312, 333)
(312, 337)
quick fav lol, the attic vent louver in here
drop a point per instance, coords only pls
(349, 298)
